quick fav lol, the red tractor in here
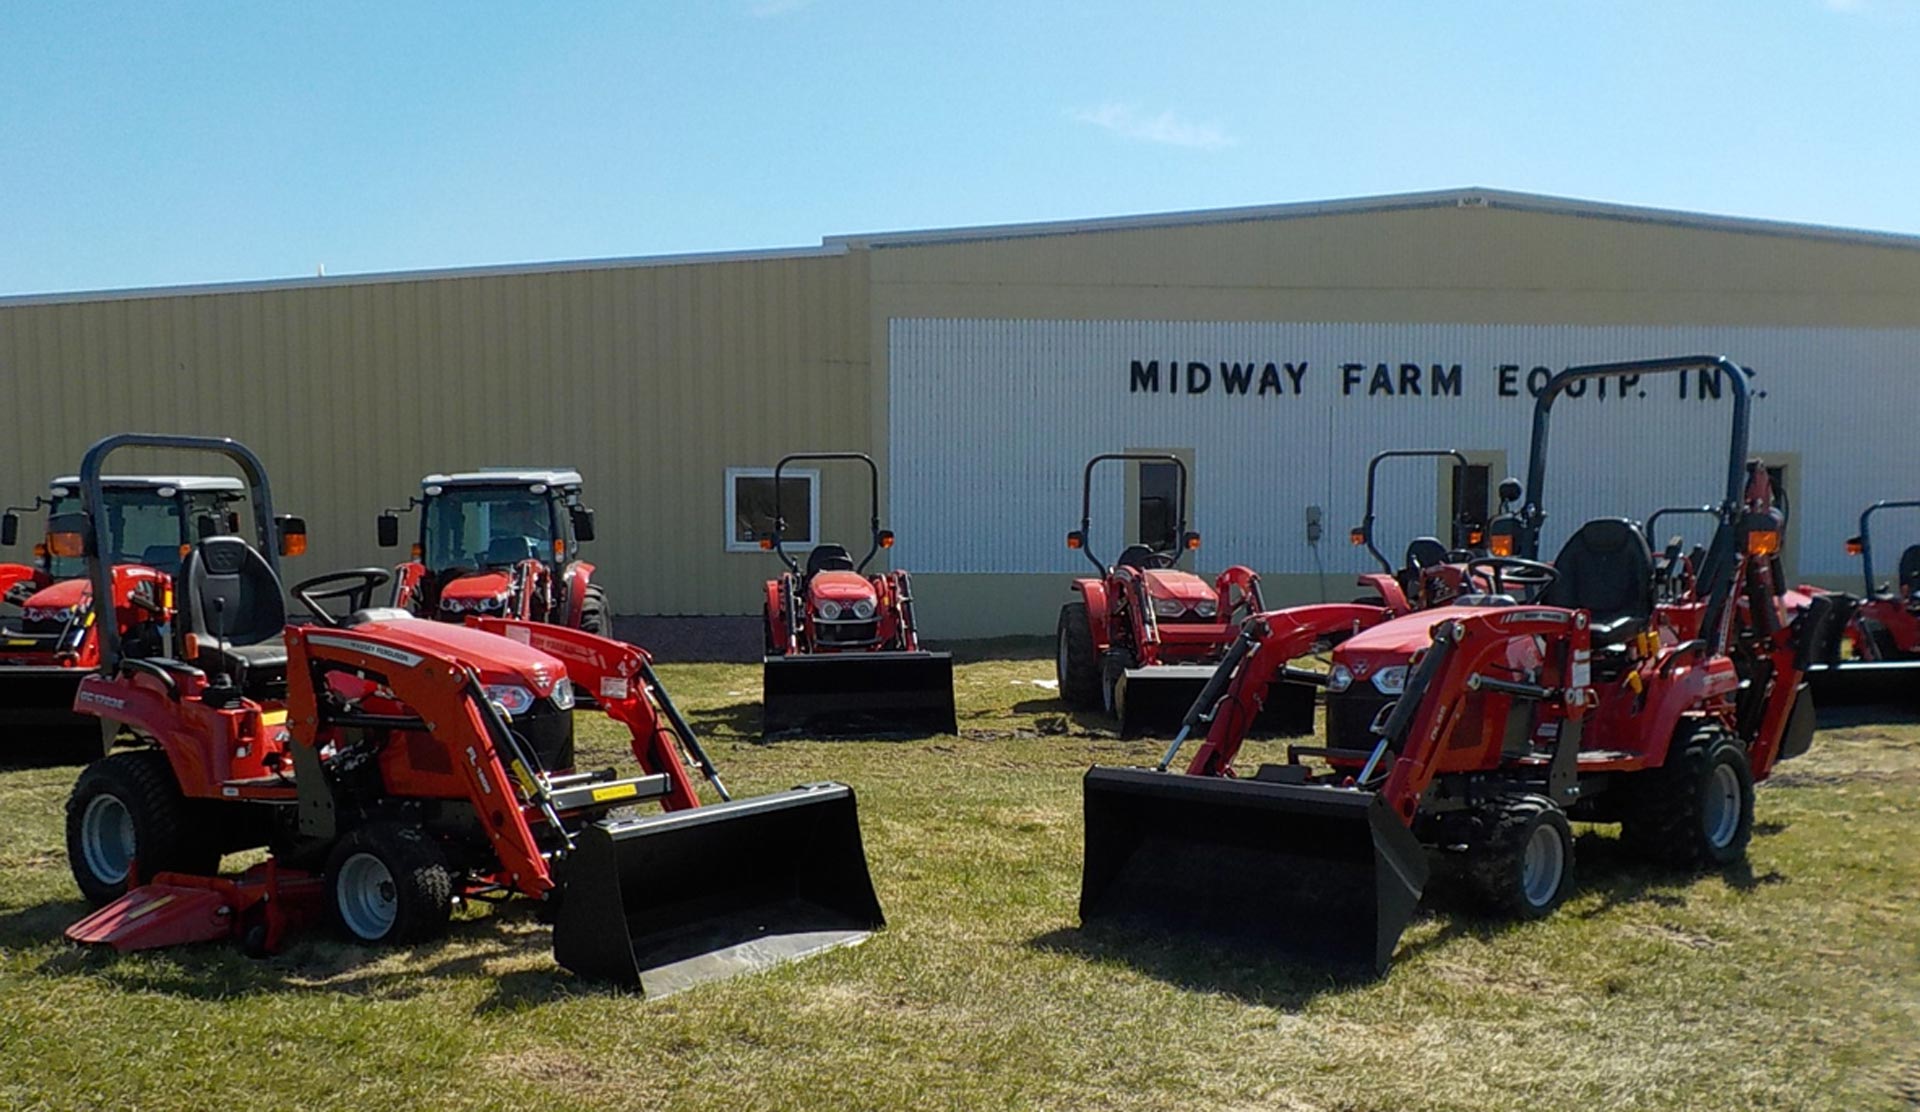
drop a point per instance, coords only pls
(843, 652)
(394, 766)
(1144, 636)
(500, 542)
(1594, 702)
(1883, 631)
(1431, 573)
(50, 640)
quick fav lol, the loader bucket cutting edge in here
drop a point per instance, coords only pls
(858, 693)
(1154, 701)
(1865, 682)
(1325, 873)
(668, 901)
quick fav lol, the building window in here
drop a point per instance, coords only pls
(1470, 515)
(750, 507)
(1159, 485)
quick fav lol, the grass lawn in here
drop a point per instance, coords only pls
(1792, 983)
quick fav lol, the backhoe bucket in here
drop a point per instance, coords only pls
(668, 901)
(848, 694)
(1321, 872)
(1154, 701)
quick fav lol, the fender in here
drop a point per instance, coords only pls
(1248, 582)
(406, 586)
(778, 635)
(187, 730)
(1095, 592)
(1691, 684)
(1389, 590)
(13, 574)
(575, 578)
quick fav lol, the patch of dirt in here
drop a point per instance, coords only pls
(1679, 937)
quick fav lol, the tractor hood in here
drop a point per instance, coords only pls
(840, 586)
(59, 596)
(1172, 583)
(1392, 643)
(484, 586)
(497, 660)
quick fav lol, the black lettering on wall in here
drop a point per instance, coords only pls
(1446, 381)
(1509, 380)
(1199, 378)
(1350, 377)
(1236, 377)
(1145, 376)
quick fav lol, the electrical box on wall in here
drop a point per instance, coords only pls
(1313, 525)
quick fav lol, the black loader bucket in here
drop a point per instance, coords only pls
(1865, 682)
(668, 901)
(1320, 872)
(1154, 701)
(849, 694)
(37, 720)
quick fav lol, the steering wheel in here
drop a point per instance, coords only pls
(1531, 575)
(355, 585)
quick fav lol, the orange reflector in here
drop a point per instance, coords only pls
(766, 543)
(886, 540)
(67, 544)
(1193, 541)
(1475, 538)
(417, 552)
(1356, 537)
(1854, 547)
(1073, 540)
(190, 645)
(293, 544)
(1763, 542)
(559, 549)
(184, 549)
(40, 551)
(1501, 545)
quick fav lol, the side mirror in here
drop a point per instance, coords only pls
(9, 528)
(67, 534)
(386, 530)
(582, 523)
(1510, 489)
(292, 532)
(886, 538)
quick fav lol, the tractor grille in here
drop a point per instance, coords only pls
(550, 732)
(1350, 714)
(845, 633)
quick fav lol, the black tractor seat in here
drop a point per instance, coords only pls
(1137, 556)
(828, 557)
(234, 608)
(1606, 569)
(1910, 573)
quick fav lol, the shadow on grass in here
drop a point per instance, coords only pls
(1892, 712)
(1623, 880)
(316, 964)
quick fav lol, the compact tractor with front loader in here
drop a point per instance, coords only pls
(1431, 573)
(394, 766)
(1883, 633)
(1144, 636)
(50, 640)
(1592, 701)
(843, 653)
(499, 542)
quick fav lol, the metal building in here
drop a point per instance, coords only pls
(1273, 348)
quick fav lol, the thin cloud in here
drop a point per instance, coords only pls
(1167, 127)
(768, 9)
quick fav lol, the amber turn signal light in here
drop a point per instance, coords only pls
(1501, 546)
(1075, 540)
(67, 544)
(1356, 537)
(1763, 542)
(886, 538)
(1855, 547)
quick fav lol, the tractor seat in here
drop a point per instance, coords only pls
(1910, 571)
(1135, 556)
(510, 549)
(828, 557)
(1606, 569)
(234, 608)
(1426, 552)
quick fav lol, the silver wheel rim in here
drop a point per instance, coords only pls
(107, 839)
(1720, 812)
(1060, 662)
(1542, 865)
(369, 900)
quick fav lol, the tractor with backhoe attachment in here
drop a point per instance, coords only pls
(1563, 692)
(1145, 634)
(500, 542)
(843, 653)
(1431, 573)
(394, 767)
(1883, 632)
(49, 640)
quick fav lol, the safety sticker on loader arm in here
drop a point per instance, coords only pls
(615, 687)
(615, 791)
(1582, 668)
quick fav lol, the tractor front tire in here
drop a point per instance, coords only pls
(388, 884)
(124, 808)
(1076, 662)
(595, 617)
(1524, 867)
(1696, 810)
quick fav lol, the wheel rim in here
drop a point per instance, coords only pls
(1720, 812)
(369, 900)
(1060, 661)
(107, 838)
(1542, 866)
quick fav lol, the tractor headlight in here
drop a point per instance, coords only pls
(1206, 608)
(562, 694)
(1391, 681)
(1169, 607)
(1339, 678)
(863, 609)
(453, 605)
(829, 609)
(63, 615)
(490, 605)
(513, 698)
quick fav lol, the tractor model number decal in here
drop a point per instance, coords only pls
(1534, 616)
(354, 644)
(480, 774)
(103, 700)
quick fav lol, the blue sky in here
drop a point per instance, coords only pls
(156, 143)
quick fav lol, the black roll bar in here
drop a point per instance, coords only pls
(1373, 468)
(1866, 538)
(780, 521)
(1086, 497)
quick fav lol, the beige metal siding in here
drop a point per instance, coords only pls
(651, 380)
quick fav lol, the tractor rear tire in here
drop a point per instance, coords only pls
(1696, 810)
(1076, 662)
(595, 617)
(1524, 867)
(127, 808)
(388, 884)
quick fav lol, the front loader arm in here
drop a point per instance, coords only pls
(1279, 637)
